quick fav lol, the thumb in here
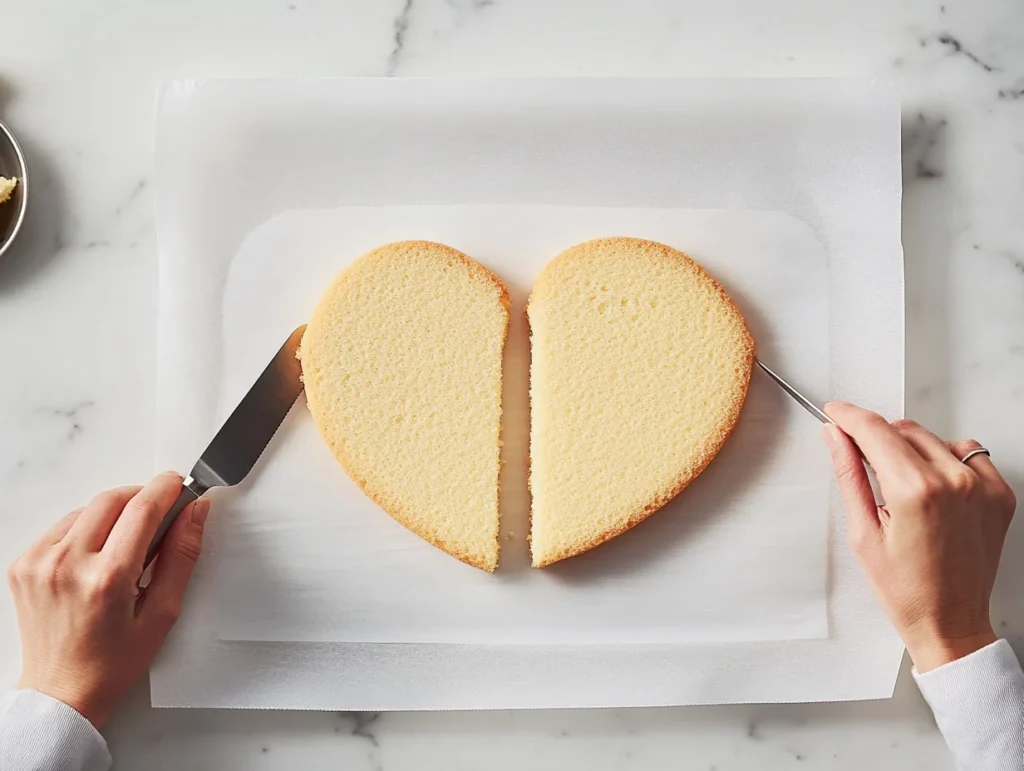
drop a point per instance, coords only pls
(174, 565)
(855, 487)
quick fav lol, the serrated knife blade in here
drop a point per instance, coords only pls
(244, 435)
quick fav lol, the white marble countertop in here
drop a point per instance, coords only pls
(78, 292)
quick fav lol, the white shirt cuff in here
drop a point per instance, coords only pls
(39, 732)
(978, 702)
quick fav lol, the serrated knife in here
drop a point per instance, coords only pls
(244, 435)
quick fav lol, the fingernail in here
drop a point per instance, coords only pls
(832, 437)
(200, 511)
(831, 408)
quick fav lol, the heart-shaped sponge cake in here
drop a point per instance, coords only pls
(640, 364)
(402, 368)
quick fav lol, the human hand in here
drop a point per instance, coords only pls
(932, 550)
(87, 631)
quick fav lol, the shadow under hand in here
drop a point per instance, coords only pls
(927, 250)
(1007, 616)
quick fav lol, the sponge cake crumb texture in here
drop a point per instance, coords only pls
(640, 364)
(402, 368)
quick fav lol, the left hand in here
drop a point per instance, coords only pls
(87, 631)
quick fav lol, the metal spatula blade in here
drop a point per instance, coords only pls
(800, 399)
(244, 435)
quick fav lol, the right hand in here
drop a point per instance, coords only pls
(87, 631)
(932, 550)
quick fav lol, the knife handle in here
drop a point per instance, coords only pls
(190, 491)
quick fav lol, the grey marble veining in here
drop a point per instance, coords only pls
(401, 27)
(77, 304)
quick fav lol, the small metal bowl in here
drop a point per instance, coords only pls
(12, 164)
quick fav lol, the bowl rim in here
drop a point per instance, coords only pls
(22, 182)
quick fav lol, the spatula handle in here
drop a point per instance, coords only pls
(190, 491)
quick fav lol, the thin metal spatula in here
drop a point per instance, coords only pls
(800, 399)
(806, 403)
(244, 435)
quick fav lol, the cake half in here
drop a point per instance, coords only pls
(640, 364)
(402, 368)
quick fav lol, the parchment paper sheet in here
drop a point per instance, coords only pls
(232, 155)
(300, 554)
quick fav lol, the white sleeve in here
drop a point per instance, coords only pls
(40, 733)
(978, 703)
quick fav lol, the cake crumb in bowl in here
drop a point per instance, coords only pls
(7, 185)
(14, 186)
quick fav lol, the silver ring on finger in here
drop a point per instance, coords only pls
(972, 453)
